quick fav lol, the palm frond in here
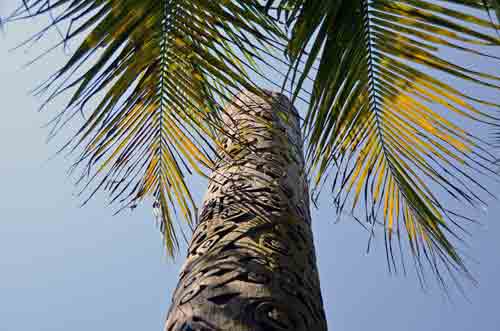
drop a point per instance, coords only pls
(492, 5)
(160, 72)
(389, 132)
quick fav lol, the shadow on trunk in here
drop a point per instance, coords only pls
(251, 263)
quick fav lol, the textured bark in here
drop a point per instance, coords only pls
(251, 263)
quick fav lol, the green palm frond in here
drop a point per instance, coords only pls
(389, 132)
(490, 5)
(160, 71)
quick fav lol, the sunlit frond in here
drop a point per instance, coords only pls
(155, 74)
(387, 121)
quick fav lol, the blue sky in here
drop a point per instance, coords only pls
(65, 267)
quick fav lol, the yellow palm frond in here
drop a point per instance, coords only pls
(391, 134)
(160, 72)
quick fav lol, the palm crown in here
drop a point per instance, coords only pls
(379, 123)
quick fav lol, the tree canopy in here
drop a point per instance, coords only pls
(383, 130)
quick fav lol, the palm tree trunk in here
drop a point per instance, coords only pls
(251, 263)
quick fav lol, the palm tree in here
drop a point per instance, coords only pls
(179, 91)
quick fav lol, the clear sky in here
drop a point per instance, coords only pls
(68, 268)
